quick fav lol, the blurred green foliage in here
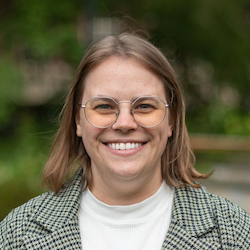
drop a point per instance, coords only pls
(10, 89)
(40, 29)
(207, 42)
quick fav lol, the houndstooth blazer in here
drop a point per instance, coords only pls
(200, 221)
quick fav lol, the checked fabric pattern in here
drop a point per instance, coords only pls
(200, 221)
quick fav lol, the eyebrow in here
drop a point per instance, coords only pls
(107, 96)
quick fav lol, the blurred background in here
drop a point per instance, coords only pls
(42, 43)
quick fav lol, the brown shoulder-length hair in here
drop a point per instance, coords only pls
(67, 150)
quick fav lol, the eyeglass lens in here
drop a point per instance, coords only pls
(103, 112)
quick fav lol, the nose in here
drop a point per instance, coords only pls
(125, 121)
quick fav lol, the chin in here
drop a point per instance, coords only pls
(126, 175)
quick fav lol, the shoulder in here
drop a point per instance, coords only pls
(24, 210)
(201, 197)
(232, 218)
(231, 222)
(17, 219)
(222, 207)
(48, 209)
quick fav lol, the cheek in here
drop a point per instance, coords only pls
(91, 142)
(83, 128)
(90, 135)
(163, 135)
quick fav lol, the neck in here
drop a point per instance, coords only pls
(125, 192)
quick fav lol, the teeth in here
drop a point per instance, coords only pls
(124, 146)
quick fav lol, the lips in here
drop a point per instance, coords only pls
(124, 146)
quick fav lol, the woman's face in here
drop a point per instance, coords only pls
(123, 171)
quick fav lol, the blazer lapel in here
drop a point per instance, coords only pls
(54, 222)
(179, 239)
(192, 219)
(65, 237)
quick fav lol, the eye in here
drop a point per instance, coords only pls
(147, 105)
(144, 106)
(104, 107)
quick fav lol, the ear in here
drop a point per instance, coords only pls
(78, 125)
(170, 125)
(170, 130)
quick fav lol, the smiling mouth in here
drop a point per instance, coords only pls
(124, 146)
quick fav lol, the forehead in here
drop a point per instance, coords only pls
(122, 79)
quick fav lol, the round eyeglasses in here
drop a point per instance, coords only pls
(102, 112)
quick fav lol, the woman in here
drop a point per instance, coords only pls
(123, 122)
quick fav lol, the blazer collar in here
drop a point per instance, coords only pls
(193, 210)
(56, 209)
(192, 218)
(53, 223)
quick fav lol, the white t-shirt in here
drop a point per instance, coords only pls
(139, 226)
